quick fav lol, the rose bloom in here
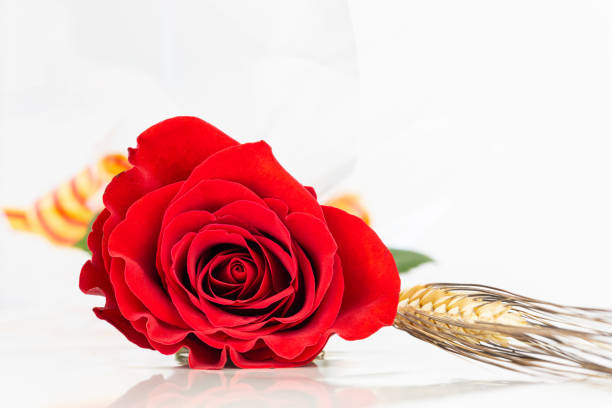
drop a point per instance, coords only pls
(210, 244)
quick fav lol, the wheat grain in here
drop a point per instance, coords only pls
(508, 330)
(460, 308)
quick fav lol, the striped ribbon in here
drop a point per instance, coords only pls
(63, 215)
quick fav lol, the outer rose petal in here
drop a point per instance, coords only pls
(266, 358)
(114, 317)
(311, 190)
(170, 150)
(371, 280)
(135, 241)
(203, 356)
(167, 152)
(94, 280)
(289, 344)
(254, 166)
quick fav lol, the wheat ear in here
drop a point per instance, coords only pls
(508, 330)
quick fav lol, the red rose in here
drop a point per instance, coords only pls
(211, 245)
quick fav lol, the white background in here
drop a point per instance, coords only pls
(478, 132)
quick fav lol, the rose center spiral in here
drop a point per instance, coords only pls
(237, 270)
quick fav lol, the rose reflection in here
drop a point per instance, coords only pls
(297, 387)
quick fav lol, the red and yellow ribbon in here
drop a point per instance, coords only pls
(63, 215)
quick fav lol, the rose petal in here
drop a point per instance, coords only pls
(263, 357)
(254, 166)
(312, 191)
(135, 241)
(278, 206)
(184, 300)
(289, 344)
(94, 240)
(114, 317)
(256, 218)
(168, 151)
(175, 230)
(142, 325)
(208, 195)
(302, 305)
(95, 281)
(315, 238)
(139, 317)
(371, 280)
(204, 357)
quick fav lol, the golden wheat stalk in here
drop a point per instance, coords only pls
(508, 330)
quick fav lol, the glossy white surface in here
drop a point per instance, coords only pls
(476, 131)
(71, 360)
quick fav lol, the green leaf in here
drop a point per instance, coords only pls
(406, 260)
(82, 244)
